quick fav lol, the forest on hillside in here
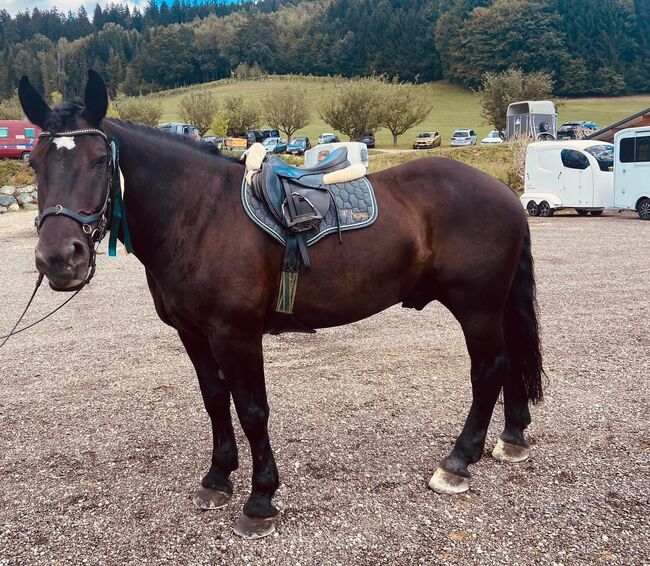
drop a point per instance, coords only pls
(592, 47)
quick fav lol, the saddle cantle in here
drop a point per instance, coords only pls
(299, 206)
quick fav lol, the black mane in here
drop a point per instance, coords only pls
(169, 138)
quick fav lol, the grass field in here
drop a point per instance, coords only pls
(453, 106)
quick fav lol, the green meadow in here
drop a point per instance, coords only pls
(453, 107)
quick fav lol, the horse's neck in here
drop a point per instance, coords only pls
(156, 188)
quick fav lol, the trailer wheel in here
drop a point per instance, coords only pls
(595, 212)
(545, 209)
(532, 208)
(582, 211)
(644, 209)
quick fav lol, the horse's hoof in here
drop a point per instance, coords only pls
(208, 499)
(254, 527)
(447, 483)
(506, 452)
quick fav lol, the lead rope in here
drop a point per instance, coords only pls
(13, 330)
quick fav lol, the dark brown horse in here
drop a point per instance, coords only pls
(214, 275)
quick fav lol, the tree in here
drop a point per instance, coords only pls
(355, 108)
(500, 89)
(286, 111)
(241, 115)
(219, 124)
(402, 108)
(138, 109)
(198, 108)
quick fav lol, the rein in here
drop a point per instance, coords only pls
(112, 202)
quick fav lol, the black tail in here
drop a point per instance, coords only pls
(522, 329)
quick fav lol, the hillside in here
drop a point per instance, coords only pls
(453, 106)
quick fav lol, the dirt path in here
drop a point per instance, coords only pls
(103, 436)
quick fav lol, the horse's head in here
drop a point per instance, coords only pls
(73, 166)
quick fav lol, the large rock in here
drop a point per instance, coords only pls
(30, 206)
(34, 195)
(25, 189)
(7, 190)
(3, 209)
(14, 207)
(7, 200)
(24, 198)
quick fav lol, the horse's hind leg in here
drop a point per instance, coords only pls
(490, 366)
(216, 488)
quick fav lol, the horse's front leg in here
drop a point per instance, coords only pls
(240, 359)
(216, 488)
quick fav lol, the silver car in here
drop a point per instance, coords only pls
(464, 137)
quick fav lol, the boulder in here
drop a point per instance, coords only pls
(34, 195)
(7, 190)
(30, 206)
(7, 200)
(25, 189)
(3, 209)
(14, 207)
(24, 198)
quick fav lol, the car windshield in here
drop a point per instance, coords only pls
(425, 135)
(298, 141)
(270, 141)
(460, 133)
(494, 134)
(604, 154)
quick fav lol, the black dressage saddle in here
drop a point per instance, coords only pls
(297, 197)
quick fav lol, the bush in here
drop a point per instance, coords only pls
(11, 110)
(138, 109)
(219, 124)
(198, 108)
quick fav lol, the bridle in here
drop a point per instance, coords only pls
(94, 235)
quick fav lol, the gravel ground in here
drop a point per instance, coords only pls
(103, 435)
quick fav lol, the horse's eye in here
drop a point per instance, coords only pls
(99, 162)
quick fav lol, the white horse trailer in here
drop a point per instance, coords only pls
(357, 153)
(535, 119)
(632, 171)
(568, 174)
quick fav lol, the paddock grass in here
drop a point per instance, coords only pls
(454, 107)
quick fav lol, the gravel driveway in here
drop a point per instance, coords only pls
(103, 435)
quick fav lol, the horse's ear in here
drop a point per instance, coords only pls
(34, 106)
(95, 97)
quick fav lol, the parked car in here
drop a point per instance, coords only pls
(274, 145)
(17, 138)
(215, 141)
(181, 129)
(368, 139)
(494, 137)
(254, 136)
(270, 133)
(328, 138)
(464, 137)
(576, 130)
(298, 146)
(427, 140)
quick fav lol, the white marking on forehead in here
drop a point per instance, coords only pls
(66, 142)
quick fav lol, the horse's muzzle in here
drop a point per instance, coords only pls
(65, 265)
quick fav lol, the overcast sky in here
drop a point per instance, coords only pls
(13, 6)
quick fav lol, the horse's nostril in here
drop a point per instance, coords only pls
(78, 249)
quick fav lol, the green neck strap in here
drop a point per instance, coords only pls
(118, 220)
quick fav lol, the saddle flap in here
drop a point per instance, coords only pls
(304, 207)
